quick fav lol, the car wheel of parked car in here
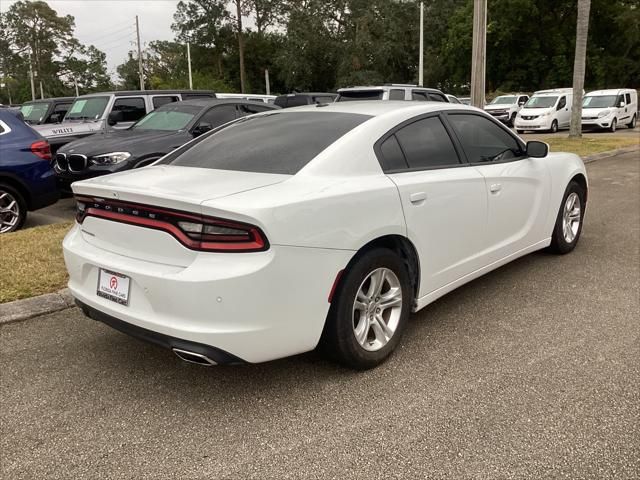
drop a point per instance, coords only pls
(554, 126)
(633, 123)
(13, 209)
(369, 311)
(614, 124)
(519, 131)
(512, 120)
(568, 227)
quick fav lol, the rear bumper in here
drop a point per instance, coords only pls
(251, 306)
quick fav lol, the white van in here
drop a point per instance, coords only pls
(546, 110)
(607, 109)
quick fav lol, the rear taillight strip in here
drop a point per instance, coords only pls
(253, 240)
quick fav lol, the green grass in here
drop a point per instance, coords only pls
(31, 262)
(590, 145)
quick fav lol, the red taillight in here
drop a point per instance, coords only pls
(41, 149)
(196, 232)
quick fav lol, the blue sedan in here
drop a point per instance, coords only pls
(27, 181)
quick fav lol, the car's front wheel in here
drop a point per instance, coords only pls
(512, 120)
(13, 209)
(632, 124)
(370, 310)
(614, 124)
(554, 126)
(568, 227)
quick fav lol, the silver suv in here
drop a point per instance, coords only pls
(391, 91)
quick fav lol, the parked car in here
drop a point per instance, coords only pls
(246, 96)
(395, 91)
(546, 110)
(452, 98)
(152, 137)
(321, 224)
(27, 181)
(506, 107)
(606, 109)
(48, 110)
(304, 98)
(106, 111)
(465, 100)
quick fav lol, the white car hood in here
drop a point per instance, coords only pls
(504, 106)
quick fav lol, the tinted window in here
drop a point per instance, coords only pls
(187, 96)
(61, 109)
(159, 101)
(628, 96)
(273, 143)
(297, 101)
(216, 116)
(392, 156)
(426, 144)
(562, 103)
(483, 140)
(246, 109)
(419, 95)
(620, 99)
(324, 99)
(361, 95)
(436, 97)
(396, 94)
(132, 108)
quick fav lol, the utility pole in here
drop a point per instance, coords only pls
(33, 87)
(75, 84)
(579, 66)
(41, 91)
(266, 81)
(479, 53)
(421, 60)
(189, 65)
(240, 43)
(140, 71)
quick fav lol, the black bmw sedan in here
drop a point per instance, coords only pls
(153, 136)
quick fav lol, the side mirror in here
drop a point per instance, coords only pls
(536, 149)
(115, 117)
(202, 128)
(622, 104)
(520, 104)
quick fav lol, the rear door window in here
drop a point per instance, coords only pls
(216, 116)
(392, 156)
(360, 95)
(278, 142)
(132, 109)
(426, 144)
(246, 109)
(436, 97)
(159, 101)
(482, 140)
(419, 95)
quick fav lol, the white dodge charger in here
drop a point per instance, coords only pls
(321, 225)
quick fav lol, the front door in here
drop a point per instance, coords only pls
(563, 112)
(517, 188)
(443, 200)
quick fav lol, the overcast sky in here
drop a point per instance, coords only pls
(110, 24)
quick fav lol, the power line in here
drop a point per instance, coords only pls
(110, 34)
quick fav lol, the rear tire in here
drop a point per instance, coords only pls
(632, 124)
(368, 316)
(13, 209)
(568, 227)
(554, 126)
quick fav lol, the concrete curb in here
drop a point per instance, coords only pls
(54, 302)
(35, 306)
(611, 153)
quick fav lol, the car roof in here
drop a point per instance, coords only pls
(210, 102)
(384, 87)
(610, 91)
(121, 93)
(52, 99)
(375, 108)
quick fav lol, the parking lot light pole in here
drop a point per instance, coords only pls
(189, 66)
(140, 71)
(421, 60)
(479, 55)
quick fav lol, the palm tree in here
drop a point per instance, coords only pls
(582, 31)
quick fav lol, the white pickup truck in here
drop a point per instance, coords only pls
(506, 107)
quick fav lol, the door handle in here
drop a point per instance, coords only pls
(418, 198)
(495, 188)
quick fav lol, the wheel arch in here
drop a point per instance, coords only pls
(18, 186)
(581, 180)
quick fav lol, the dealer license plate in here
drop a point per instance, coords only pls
(113, 286)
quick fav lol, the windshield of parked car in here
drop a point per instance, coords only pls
(169, 118)
(34, 112)
(359, 95)
(89, 108)
(505, 100)
(599, 101)
(272, 143)
(541, 102)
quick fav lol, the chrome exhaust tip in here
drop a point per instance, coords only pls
(193, 357)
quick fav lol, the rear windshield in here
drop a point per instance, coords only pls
(272, 143)
(359, 95)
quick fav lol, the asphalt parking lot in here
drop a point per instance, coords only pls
(529, 372)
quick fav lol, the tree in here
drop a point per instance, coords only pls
(582, 31)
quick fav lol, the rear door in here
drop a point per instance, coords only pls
(517, 188)
(443, 199)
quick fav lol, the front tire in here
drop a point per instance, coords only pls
(370, 310)
(614, 124)
(554, 126)
(568, 227)
(632, 124)
(13, 209)
(512, 120)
